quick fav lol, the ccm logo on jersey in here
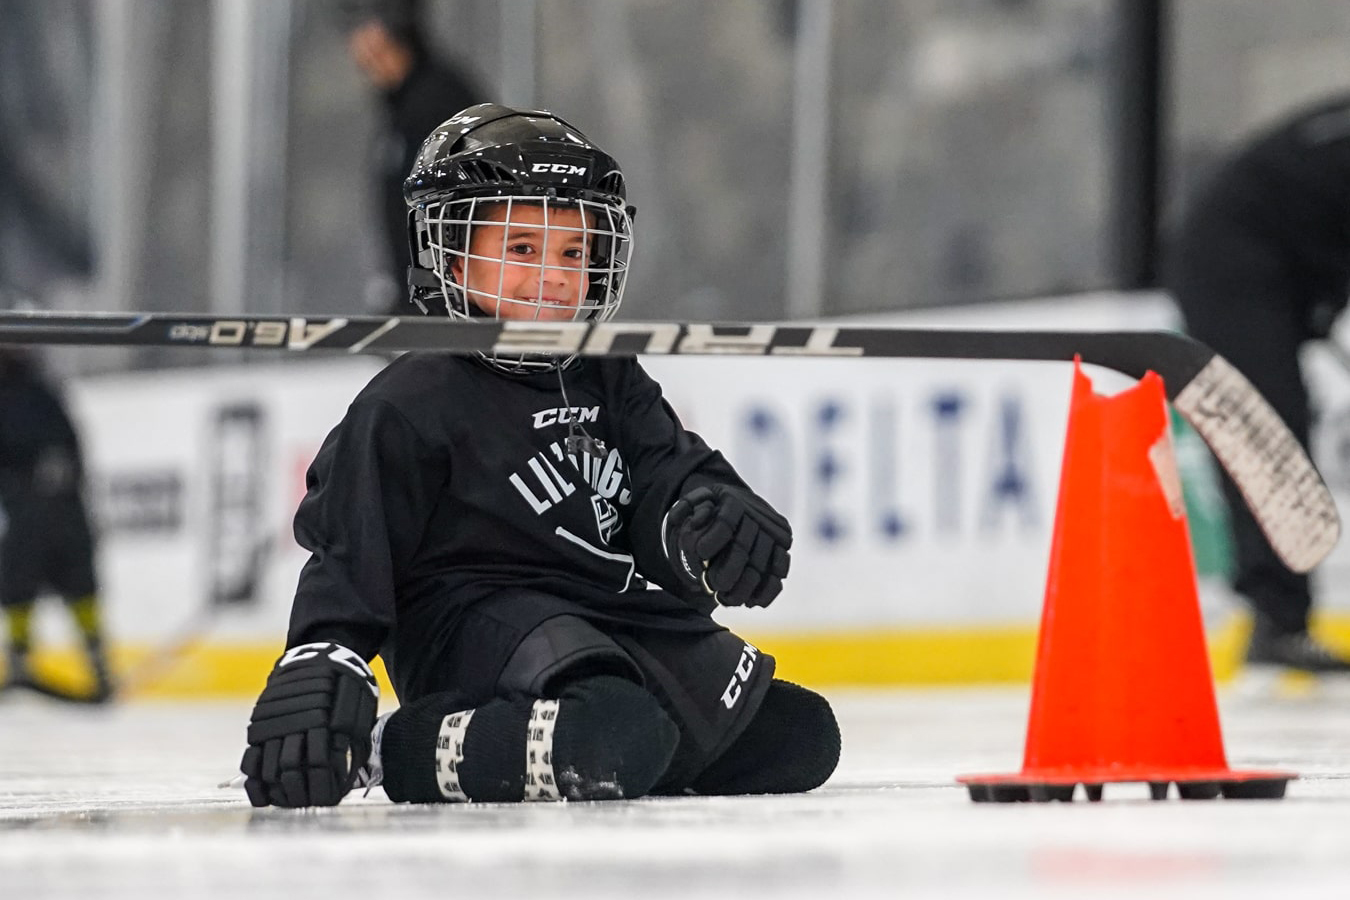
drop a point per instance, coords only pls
(558, 168)
(741, 677)
(564, 415)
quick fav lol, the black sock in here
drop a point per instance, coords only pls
(612, 741)
(602, 738)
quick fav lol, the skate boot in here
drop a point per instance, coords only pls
(103, 683)
(17, 673)
(1296, 651)
(85, 611)
(1290, 665)
(18, 620)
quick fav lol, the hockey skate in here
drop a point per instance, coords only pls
(20, 676)
(1290, 664)
(103, 690)
(16, 670)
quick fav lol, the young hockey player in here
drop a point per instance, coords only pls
(533, 545)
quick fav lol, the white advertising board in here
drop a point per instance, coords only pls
(194, 478)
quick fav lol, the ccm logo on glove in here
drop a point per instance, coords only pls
(729, 543)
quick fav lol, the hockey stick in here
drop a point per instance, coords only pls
(162, 658)
(1281, 485)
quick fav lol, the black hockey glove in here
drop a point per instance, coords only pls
(729, 543)
(310, 729)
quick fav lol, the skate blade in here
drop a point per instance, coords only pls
(40, 688)
(1278, 683)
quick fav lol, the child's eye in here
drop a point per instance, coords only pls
(576, 253)
(520, 249)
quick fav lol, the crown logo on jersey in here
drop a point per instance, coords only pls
(607, 521)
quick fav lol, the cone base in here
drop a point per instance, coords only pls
(1192, 784)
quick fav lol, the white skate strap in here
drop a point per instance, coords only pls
(539, 781)
(450, 754)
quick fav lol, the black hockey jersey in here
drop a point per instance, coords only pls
(448, 481)
(1291, 187)
(39, 450)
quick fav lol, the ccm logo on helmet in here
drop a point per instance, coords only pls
(558, 169)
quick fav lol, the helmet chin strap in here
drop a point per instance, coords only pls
(579, 441)
(425, 285)
(422, 282)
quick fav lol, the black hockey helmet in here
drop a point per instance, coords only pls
(479, 165)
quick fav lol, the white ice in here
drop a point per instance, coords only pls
(123, 803)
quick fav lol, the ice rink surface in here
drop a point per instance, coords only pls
(123, 802)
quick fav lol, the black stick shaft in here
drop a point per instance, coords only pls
(1176, 357)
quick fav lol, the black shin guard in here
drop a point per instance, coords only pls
(602, 738)
(791, 745)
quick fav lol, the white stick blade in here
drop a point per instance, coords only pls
(1280, 483)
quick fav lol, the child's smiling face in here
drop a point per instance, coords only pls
(532, 267)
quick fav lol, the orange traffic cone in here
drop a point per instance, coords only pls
(1123, 690)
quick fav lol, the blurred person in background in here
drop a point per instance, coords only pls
(1260, 265)
(47, 543)
(418, 89)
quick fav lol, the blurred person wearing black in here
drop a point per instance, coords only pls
(418, 89)
(1260, 265)
(47, 543)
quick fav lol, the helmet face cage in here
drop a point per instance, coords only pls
(527, 258)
